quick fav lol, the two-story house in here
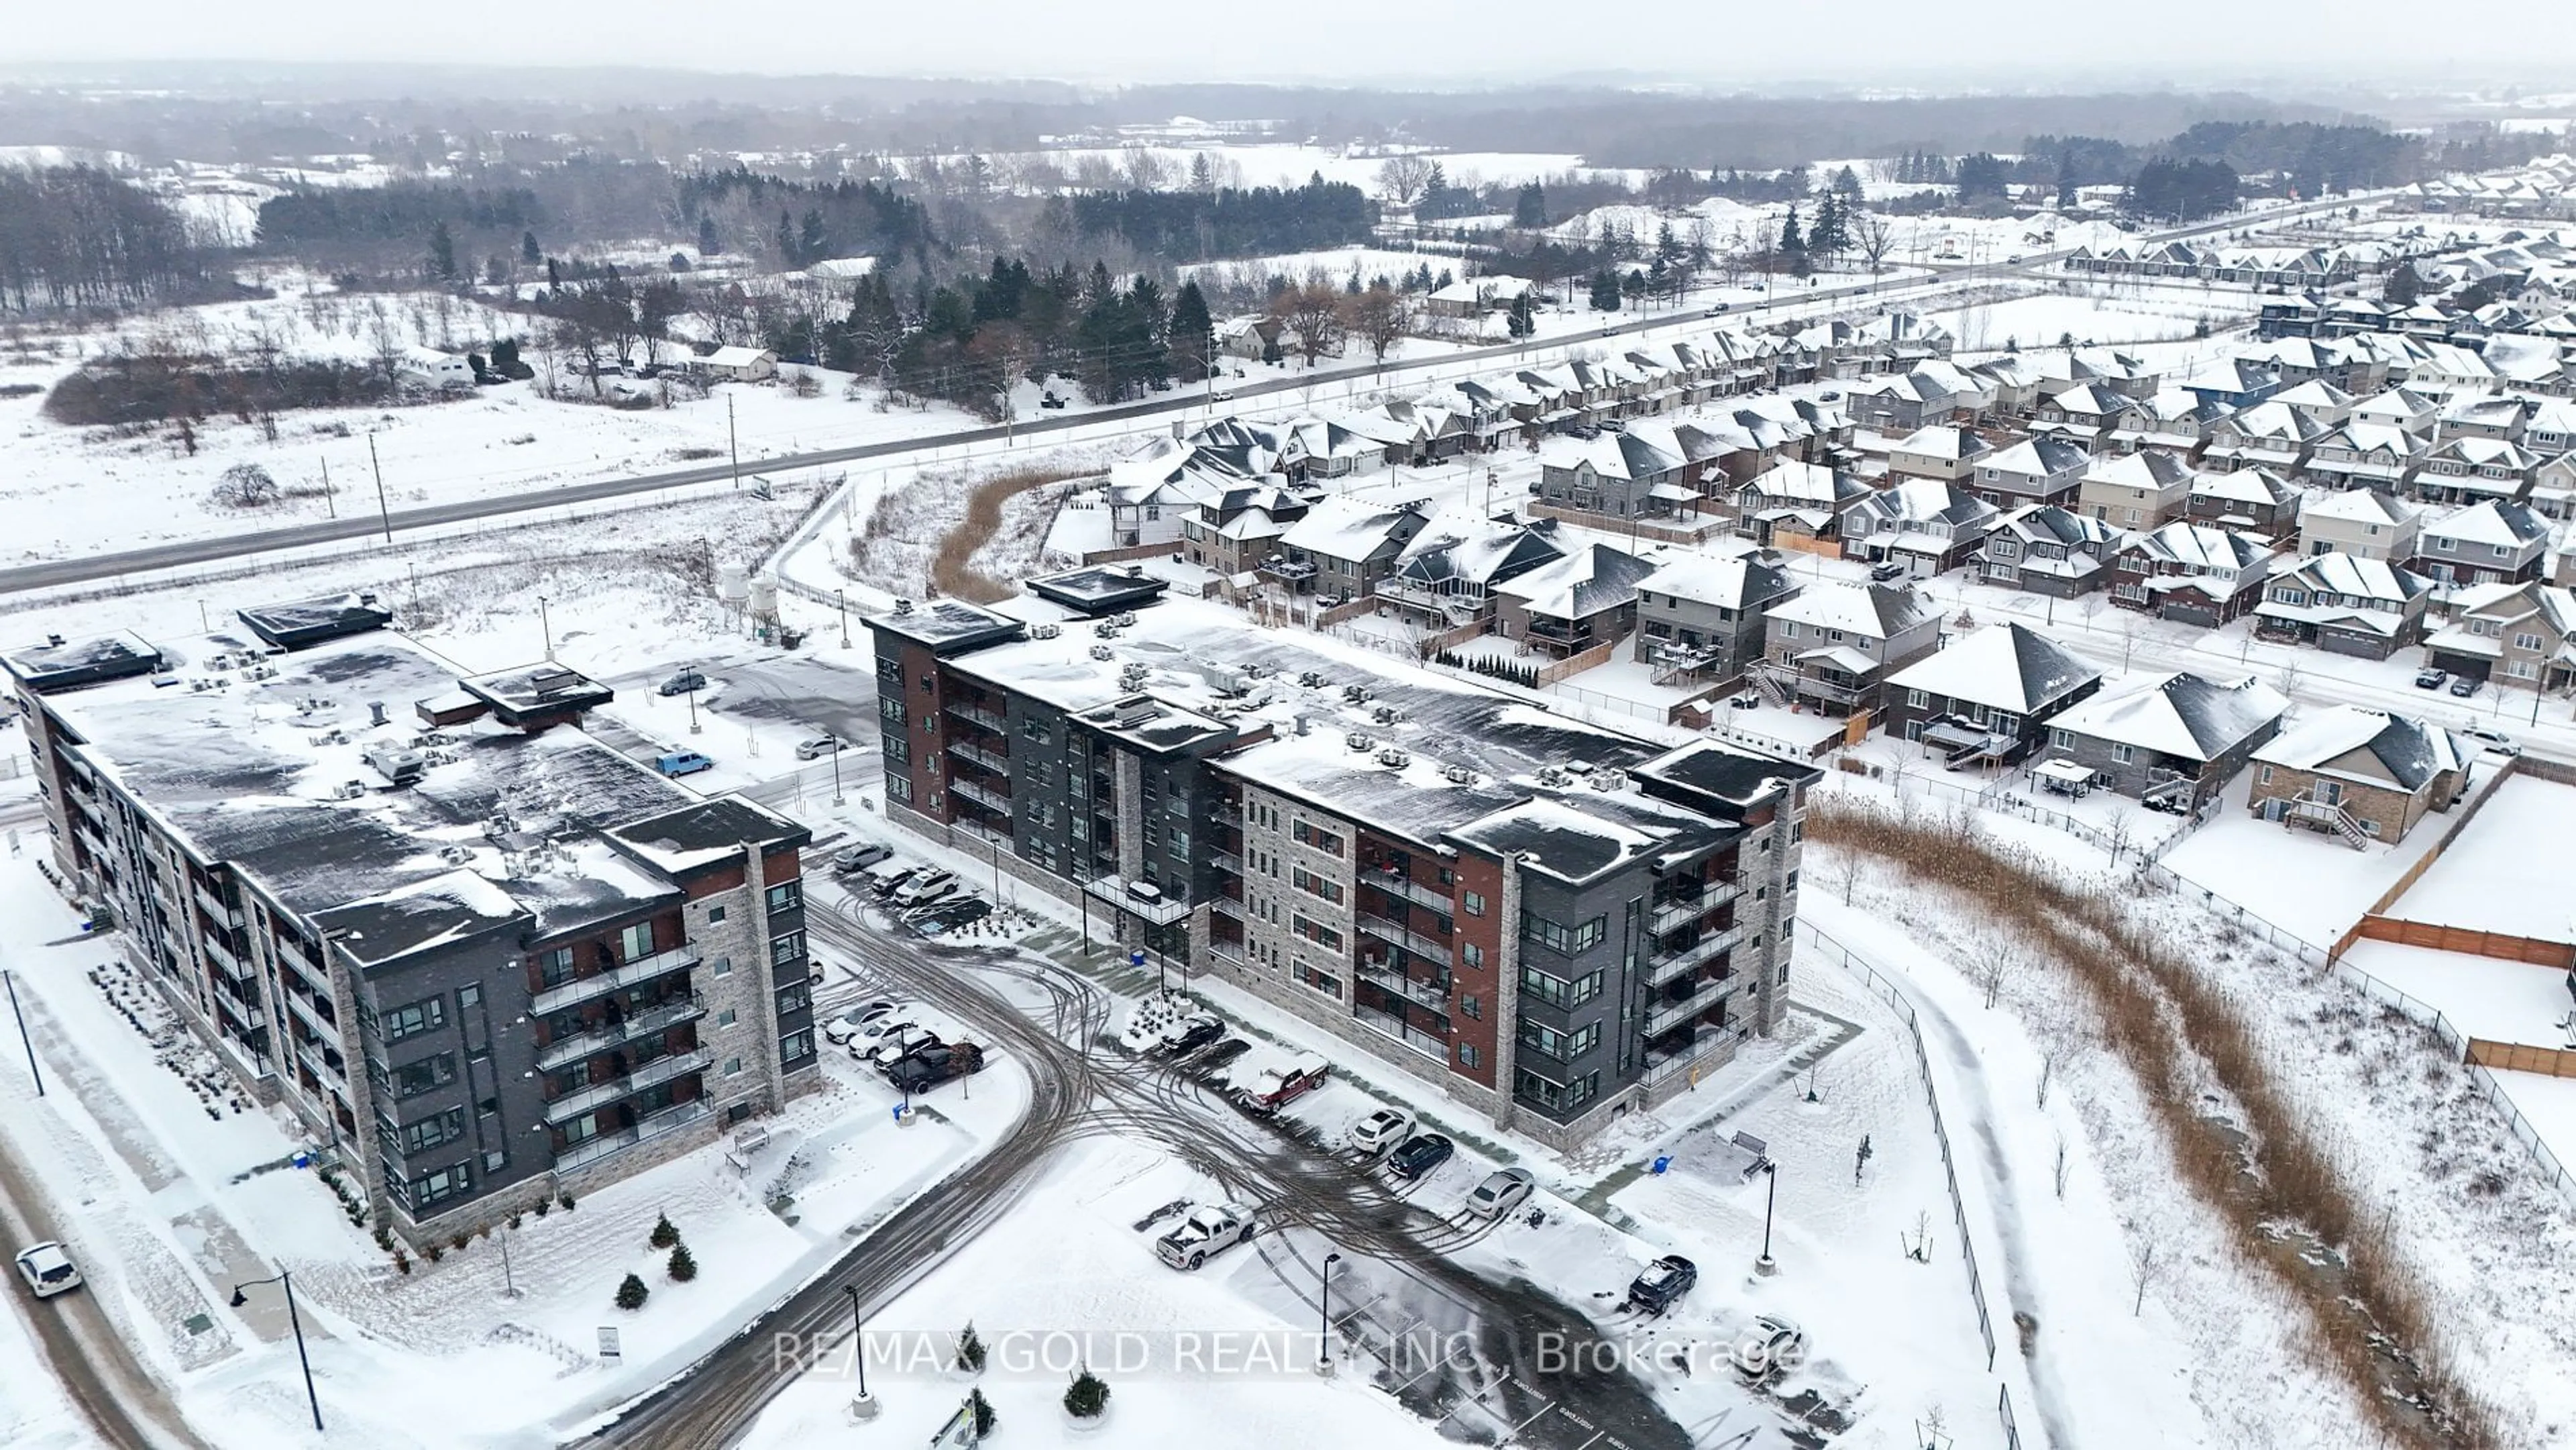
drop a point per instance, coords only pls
(2135, 490)
(2234, 383)
(1797, 506)
(1943, 451)
(2267, 435)
(1446, 576)
(2367, 523)
(2358, 454)
(1587, 598)
(2485, 543)
(2042, 468)
(1232, 533)
(1702, 619)
(2358, 775)
(2252, 501)
(2172, 741)
(2344, 604)
(2521, 634)
(1621, 475)
(1988, 697)
(1928, 526)
(2464, 470)
(1342, 547)
(2044, 549)
(1830, 648)
(2084, 415)
(2190, 573)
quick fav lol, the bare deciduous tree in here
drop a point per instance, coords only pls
(1872, 237)
(1312, 315)
(2143, 1269)
(2059, 1177)
(1378, 317)
(1402, 178)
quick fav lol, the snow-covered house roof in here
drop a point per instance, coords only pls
(2257, 487)
(2359, 506)
(1467, 549)
(1342, 527)
(2494, 522)
(2370, 747)
(2008, 667)
(1943, 441)
(2152, 470)
(1874, 611)
(1924, 501)
(1624, 456)
(1737, 582)
(2181, 715)
(1586, 582)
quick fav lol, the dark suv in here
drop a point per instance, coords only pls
(928, 1068)
(1420, 1154)
(1663, 1283)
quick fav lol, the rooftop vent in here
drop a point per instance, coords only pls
(1137, 712)
(1609, 779)
(1550, 775)
(1356, 741)
(1103, 652)
(376, 709)
(1394, 759)
(1045, 631)
(903, 606)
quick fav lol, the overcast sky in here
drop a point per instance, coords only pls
(1948, 46)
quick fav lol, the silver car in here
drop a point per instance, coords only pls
(1503, 1190)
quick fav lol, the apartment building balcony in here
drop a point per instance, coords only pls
(1402, 1031)
(1663, 1015)
(642, 1022)
(992, 720)
(652, 1074)
(991, 800)
(1411, 989)
(224, 958)
(1226, 906)
(645, 1129)
(310, 1054)
(993, 761)
(306, 1012)
(239, 1016)
(215, 908)
(1428, 948)
(1678, 909)
(1662, 967)
(1280, 569)
(626, 974)
(1227, 862)
(1397, 884)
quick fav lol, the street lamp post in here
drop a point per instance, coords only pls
(836, 776)
(1770, 1197)
(286, 1281)
(861, 1406)
(842, 605)
(692, 693)
(10, 980)
(546, 624)
(1324, 1339)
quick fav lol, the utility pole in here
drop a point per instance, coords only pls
(733, 445)
(545, 622)
(11, 981)
(841, 603)
(328, 501)
(381, 507)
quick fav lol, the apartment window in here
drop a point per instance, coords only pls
(1918, 700)
(414, 1078)
(413, 1020)
(1314, 885)
(733, 1067)
(1557, 991)
(1471, 1005)
(796, 1045)
(1034, 729)
(2526, 641)
(1556, 1095)
(721, 967)
(1471, 954)
(635, 943)
(725, 1018)
(440, 1186)
(1321, 981)
(898, 750)
(792, 999)
(890, 708)
(715, 915)
(1469, 1055)
(1474, 901)
(554, 968)
(1328, 842)
(786, 896)
(494, 1161)
(1563, 1046)
(431, 1131)
(469, 994)
(1558, 937)
(786, 949)
(1315, 931)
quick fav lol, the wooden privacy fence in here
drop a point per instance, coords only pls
(2522, 1057)
(2502, 946)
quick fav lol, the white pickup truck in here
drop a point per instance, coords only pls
(1204, 1231)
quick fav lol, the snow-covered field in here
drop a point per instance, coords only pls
(2492, 880)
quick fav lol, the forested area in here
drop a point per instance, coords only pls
(1193, 226)
(76, 236)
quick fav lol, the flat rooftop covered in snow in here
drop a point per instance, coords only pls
(263, 764)
(302, 623)
(58, 664)
(539, 689)
(947, 625)
(1099, 589)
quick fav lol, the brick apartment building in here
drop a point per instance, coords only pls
(484, 956)
(1553, 922)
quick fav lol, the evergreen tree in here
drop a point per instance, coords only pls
(2404, 287)
(1792, 241)
(2065, 179)
(1847, 185)
(442, 253)
(1524, 318)
(682, 1268)
(786, 239)
(970, 1351)
(1192, 334)
(665, 1233)
(983, 1410)
(1087, 1397)
(708, 243)
(528, 252)
(1202, 175)
(1529, 210)
(1605, 291)
(632, 1294)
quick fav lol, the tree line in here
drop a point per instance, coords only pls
(76, 236)
(1226, 221)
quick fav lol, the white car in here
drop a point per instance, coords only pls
(855, 1021)
(924, 889)
(859, 858)
(1502, 1191)
(2495, 740)
(1380, 1131)
(1203, 1233)
(1771, 1345)
(47, 1269)
(894, 1046)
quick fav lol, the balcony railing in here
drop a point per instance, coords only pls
(1226, 861)
(1662, 967)
(1405, 886)
(978, 715)
(310, 1054)
(652, 1074)
(1670, 914)
(648, 1127)
(1662, 1016)
(1428, 948)
(306, 1013)
(581, 989)
(1404, 1032)
(1226, 906)
(223, 958)
(1412, 990)
(990, 800)
(215, 908)
(998, 764)
(658, 1018)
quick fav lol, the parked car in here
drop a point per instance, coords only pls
(1381, 1130)
(1195, 1033)
(1204, 1233)
(1772, 1344)
(682, 762)
(2466, 685)
(1882, 573)
(2495, 740)
(888, 884)
(1503, 1190)
(933, 1065)
(685, 682)
(925, 887)
(1277, 1087)
(1663, 1283)
(1421, 1155)
(2429, 678)
(923, 898)
(855, 1021)
(895, 1046)
(859, 858)
(817, 747)
(47, 1269)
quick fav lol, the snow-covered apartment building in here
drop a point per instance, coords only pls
(1554, 923)
(482, 956)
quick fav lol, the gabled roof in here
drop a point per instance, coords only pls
(2152, 469)
(1806, 483)
(1612, 455)
(1583, 583)
(2002, 667)
(1474, 550)
(1342, 527)
(1876, 611)
(2040, 457)
(1739, 582)
(2049, 521)
(2182, 715)
(2245, 485)
(2359, 506)
(2407, 751)
(1941, 440)
(1927, 500)
(2355, 578)
(2200, 547)
(2511, 525)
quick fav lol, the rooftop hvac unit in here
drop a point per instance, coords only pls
(1103, 652)
(1045, 631)
(1386, 714)
(1609, 779)
(1550, 775)
(1355, 694)
(1311, 680)
(1356, 741)
(352, 789)
(456, 855)
(1460, 775)
(903, 606)
(1394, 759)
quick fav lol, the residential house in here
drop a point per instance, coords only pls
(1830, 648)
(2485, 543)
(1988, 697)
(1797, 506)
(2044, 549)
(2104, 368)
(1934, 392)
(1152, 494)
(2318, 401)
(2173, 741)
(1621, 475)
(1476, 296)
(2233, 383)
(1943, 451)
(2038, 469)
(1702, 619)
(2523, 635)
(2172, 419)
(2253, 501)
(1254, 339)
(2190, 573)
(2366, 523)
(1446, 575)
(2267, 435)
(1234, 532)
(2085, 415)
(2012, 381)
(2135, 490)
(1586, 598)
(2360, 775)
(1926, 525)
(1342, 548)
(737, 364)
(2403, 408)
(2466, 469)
(2501, 419)
(2345, 604)
(2360, 454)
